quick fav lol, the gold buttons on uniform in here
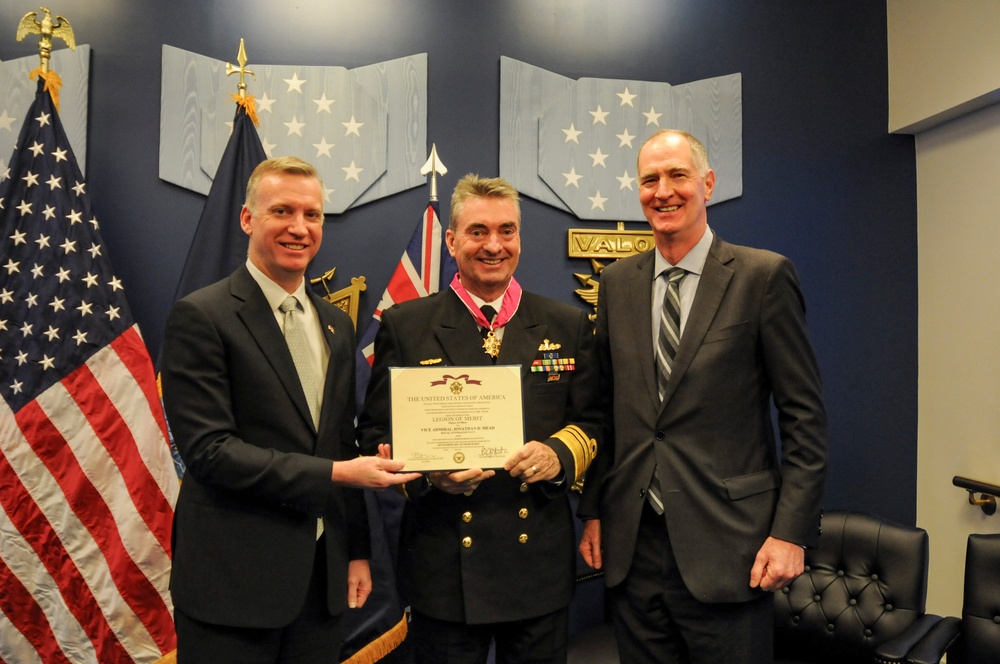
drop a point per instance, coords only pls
(466, 516)
(524, 487)
(523, 538)
(523, 512)
(467, 542)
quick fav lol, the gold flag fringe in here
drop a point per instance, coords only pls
(169, 658)
(249, 105)
(381, 646)
(52, 83)
(370, 654)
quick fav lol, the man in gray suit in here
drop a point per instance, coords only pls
(269, 547)
(688, 507)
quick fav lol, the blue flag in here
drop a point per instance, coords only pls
(220, 245)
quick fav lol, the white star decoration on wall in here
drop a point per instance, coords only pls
(573, 144)
(333, 117)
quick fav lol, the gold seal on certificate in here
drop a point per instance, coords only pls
(452, 418)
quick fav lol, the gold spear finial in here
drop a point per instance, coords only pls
(242, 70)
(29, 25)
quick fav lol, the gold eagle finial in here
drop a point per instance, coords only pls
(29, 25)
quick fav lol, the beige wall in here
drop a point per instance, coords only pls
(958, 430)
(944, 72)
(944, 60)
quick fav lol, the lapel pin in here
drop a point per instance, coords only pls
(330, 327)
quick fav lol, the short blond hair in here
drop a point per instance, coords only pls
(286, 165)
(473, 186)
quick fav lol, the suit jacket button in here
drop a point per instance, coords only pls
(466, 516)
(523, 512)
(467, 542)
(642, 493)
(522, 538)
(524, 487)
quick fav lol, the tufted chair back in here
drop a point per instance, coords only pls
(981, 607)
(864, 584)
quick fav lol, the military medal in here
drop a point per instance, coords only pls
(509, 306)
(491, 344)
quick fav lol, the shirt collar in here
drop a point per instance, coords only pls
(496, 304)
(693, 261)
(273, 293)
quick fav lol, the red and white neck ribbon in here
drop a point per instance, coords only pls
(511, 301)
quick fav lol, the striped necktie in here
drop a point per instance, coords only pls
(667, 342)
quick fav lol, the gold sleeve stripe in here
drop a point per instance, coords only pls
(581, 446)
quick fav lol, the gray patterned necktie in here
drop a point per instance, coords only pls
(296, 339)
(667, 342)
(670, 329)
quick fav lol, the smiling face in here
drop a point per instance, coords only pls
(674, 192)
(285, 226)
(486, 245)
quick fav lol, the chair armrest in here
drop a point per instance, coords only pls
(938, 641)
(897, 648)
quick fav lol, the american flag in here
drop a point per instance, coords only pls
(424, 266)
(87, 484)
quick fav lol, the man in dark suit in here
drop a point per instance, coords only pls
(696, 513)
(487, 555)
(268, 550)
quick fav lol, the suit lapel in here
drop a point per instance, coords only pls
(262, 326)
(640, 295)
(712, 286)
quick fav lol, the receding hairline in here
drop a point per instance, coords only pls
(698, 152)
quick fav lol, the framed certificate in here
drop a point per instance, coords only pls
(452, 418)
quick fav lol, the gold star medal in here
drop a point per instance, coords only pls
(491, 344)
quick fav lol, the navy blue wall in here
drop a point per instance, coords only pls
(823, 182)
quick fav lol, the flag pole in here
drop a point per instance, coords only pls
(433, 166)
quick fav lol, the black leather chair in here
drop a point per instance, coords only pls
(975, 638)
(980, 640)
(861, 597)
